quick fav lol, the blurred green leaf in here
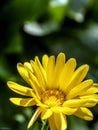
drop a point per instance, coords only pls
(37, 29)
(4, 69)
(96, 126)
(15, 44)
(18, 11)
(77, 124)
(57, 9)
(77, 9)
(89, 36)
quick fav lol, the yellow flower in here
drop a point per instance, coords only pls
(57, 89)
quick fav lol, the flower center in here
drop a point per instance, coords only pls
(53, 97)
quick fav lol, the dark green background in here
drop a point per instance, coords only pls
(70, 27)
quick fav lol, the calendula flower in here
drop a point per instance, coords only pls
(57, 88)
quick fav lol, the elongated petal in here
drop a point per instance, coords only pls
(23, 72)
(23, 101)
(19, 88)
(84, 113)
(38, 74)
(34, 117)
(60, 121)
(28, 66)
(78, 76)
(91, 96)
(46, 114)
(67, 73)
(92, 100)
(50, 71)
(45, 60)
(75, 103)
(52, 123)
(77, 90)
(65, 110)
(43, 72)
(91, 90)
(90, 104)
(60, 61)
(35, 85)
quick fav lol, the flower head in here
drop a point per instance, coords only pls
(57, 89)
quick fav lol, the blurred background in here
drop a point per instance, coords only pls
(35, 27)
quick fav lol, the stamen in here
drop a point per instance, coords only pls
(53, 97)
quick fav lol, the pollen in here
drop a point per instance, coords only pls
(53, 97)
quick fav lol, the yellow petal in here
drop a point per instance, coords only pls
(67, 73)
(91, 96)
(43, 72)
(46, 114)
(74, 103)
(90, 104)
(45, 59)
(39, 74)
(19, 89)
(78, 76)
(35, 85)
(28, 66)
(50, 71)
(34, 117)
(65, 110)
(92, 100)
(60, 61)
(60, 121)
(23, 101)
(77, 90)
(39, 103)
(23, 72)
(84, 113)
(91, 90)
(52, 123)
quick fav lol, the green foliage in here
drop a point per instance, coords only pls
(35, 27)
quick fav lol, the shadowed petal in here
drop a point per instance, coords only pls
(23, 72)
(60, 121)
(91, 96)
(34, 117)
(63, 109)
(39, 74)
(84, 113)
(23, 101)
(35, 85)
(46, 114)
(91, 90)
(52, 123)
(92, 100)
(28, 66)
(19, 88)
(43, 72)
(75, 103)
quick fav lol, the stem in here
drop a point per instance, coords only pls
(45, 125)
